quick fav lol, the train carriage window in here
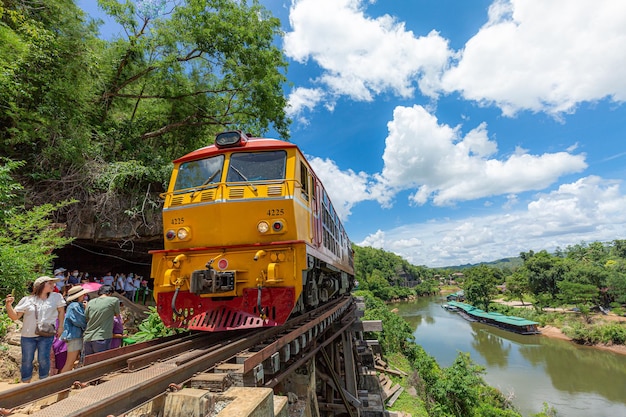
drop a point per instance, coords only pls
(257, 166)
(304, 181)
(199, 173)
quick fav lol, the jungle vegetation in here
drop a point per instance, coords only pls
(98, 120)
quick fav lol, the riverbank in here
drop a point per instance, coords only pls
(556, 333)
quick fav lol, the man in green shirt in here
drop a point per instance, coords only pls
(99, 314)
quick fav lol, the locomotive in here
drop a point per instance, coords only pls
(250, 238)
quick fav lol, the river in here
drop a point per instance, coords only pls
(577, 381)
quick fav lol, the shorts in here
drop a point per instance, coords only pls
(74, 345)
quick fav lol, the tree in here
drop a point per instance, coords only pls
(480, 285)
(27, 236)
(517, 285)
(544, 272)
(99, 121)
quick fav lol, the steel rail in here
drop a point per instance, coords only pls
(27, 393)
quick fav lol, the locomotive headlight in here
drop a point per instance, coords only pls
(171, 234)
(277, 226)
(183, 233)
(263, 227)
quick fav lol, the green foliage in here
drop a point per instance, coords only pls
(99, 121)
(396, 334)
(27, 236)
(383, 273)
(480, 285)
(152, 327)
(5, 323)
(609, 333)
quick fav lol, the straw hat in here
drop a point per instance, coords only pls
(75, 292)
(42, 280)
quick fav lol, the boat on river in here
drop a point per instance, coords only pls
(511, 323)
(449, 307)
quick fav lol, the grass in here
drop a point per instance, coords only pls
(406, 402)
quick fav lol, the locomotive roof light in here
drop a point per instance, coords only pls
(263, 227)
(231, 139)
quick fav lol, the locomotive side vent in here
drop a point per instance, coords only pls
(235, 193)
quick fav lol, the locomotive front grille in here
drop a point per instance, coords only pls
(207, 196)
(274, 190)
(235, 193)
(177, 200)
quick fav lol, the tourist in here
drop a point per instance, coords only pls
(99, 314)
(59, 274)
(129, 287)
(120, 283)
(42, 307)
(74, 326)
(108, 279)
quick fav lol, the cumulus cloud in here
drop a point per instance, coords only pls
(537, 55)
(345, 188)
(375, 55)
(590, 209)
(303, 98)
(446, 166)
(544, 56)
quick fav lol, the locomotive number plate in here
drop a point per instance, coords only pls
(178, 220)
(276, 212)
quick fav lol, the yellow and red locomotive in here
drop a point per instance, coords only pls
(250, 237)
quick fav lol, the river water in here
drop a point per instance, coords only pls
(577, 381)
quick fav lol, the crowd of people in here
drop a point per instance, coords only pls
(132, 286)
(61, 324)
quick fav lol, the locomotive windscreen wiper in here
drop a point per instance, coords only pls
(248, 183)
(205, 183)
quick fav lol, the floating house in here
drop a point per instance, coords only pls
(511, 323)
(456, 296)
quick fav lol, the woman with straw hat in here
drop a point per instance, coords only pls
(74, 325)
(43, 306)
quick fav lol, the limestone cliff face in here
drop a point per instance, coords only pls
(112, 216)
(111, 234)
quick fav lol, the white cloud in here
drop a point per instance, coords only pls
(544, 55)
(345, 188)
(590, 209)
(303, 98)
(537, 55)
(447, 167)
(362, 56)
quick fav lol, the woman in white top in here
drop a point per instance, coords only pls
(43, 306)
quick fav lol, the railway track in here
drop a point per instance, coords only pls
(119, 381)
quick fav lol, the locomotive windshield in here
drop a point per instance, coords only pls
(199, 173)
(257, 166)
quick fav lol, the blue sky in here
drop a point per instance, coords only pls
(454, 131)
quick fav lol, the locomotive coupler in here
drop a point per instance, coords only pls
(262, 310)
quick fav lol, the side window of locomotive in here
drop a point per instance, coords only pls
(304, 181)
(197, 173)
(257, 166)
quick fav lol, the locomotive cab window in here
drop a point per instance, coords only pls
(257, 166)
(199, 173)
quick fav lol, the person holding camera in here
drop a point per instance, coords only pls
(39, 312)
